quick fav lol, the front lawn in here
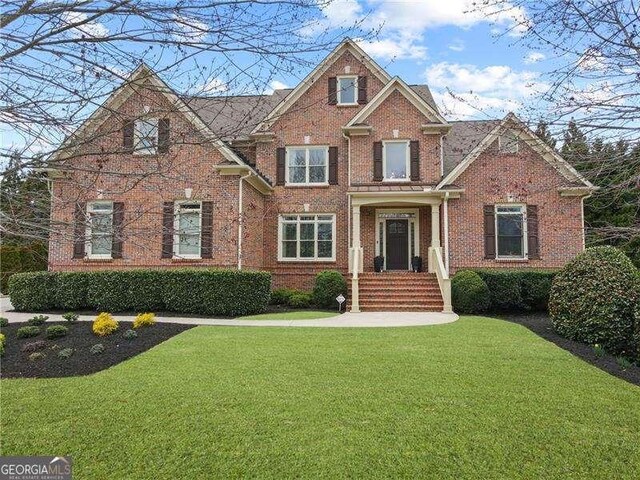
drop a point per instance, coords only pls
(478, 398)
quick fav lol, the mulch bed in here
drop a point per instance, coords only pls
(540, 324)
(15, 363)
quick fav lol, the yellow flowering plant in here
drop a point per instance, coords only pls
(104, 324)
(144, 320)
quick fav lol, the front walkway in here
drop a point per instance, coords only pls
(364, 319)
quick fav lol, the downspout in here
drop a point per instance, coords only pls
(445, 214)
(584, 232)
(240, 219)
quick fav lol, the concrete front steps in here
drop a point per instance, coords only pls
(399, 291)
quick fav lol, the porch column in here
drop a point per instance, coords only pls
(355, 257)
(435, 234)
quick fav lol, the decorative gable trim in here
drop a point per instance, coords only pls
(347, 45)
(397, 84)
(512, 122)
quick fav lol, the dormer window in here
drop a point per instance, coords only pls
(146, 136)
(348, 90)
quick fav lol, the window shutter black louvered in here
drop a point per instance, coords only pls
(489, 232)
(79, 228)
(333, 165)
(377, 161)
(206, 249)
(281, 155)
(167, 230)
(362, 90)
(414, 159)
(163, 135)
(127, 135)
(332, 91)
(532, 232)
(116, 239)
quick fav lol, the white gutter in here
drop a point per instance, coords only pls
(445, 214)
(240, 220)
(584, 232)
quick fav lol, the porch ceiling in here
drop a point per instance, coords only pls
(395, 197)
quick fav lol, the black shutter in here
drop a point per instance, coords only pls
(377, 161)
(532, 232)
(79, 228)
(206, 237)
(163, 135)
(118, 220)
(281, 158)
(167, 230)
(362, 90)
(127, 135)
(489, 232)
(333, 165)
(333, 91)
(414, 157)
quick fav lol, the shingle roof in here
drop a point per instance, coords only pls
(463, 137)
(234, 117)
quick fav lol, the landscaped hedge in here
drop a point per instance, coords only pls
(517, 290)
(196, 291)
(329, 284)
(469, 293)
(21, 258)
(593, 300)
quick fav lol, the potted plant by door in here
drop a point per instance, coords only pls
(416, 264)
(378, 263)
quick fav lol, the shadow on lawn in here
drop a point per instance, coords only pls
(540, 324)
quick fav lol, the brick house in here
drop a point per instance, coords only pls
(351, 170)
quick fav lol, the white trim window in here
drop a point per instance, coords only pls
(395, 160)
(307, 165)
(99, 231)
(145, 136)
(508, 142)
(187, 229)
(307, 237)
(348, 90)
(511, 231)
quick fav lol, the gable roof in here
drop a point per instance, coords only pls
(462, 138)
(137, 79)
(397, 84)
(347, 45)
(511, 122)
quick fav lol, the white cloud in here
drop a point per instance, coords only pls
(466, 90)
(457, 45)
(89, 29)
(275, 85)
(189, 29)
(390, 49)
(534, 57)
(214, 85)
(592, 61)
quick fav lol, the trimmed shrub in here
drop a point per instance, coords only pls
(38, 320)
(65, 352)
(96, 349)
(36, 356)
(30, 347)
(71, 290)
(71, 317)
(2, 342)
(21, 258)
(329, 284)
(593, 300)
(130, 334)
(217, 292)
(516, 290)
(104, 324)
(57, 331)
(33, 291)
(4, 322)
(280, 296)
(469, 293)
(144, 320)
(300, 300)
(108, 291)
(28, 332)
(145, 290)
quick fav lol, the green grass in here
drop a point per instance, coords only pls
(478, 398)
(299, 315)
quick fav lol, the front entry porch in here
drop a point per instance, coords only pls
(394, 233)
